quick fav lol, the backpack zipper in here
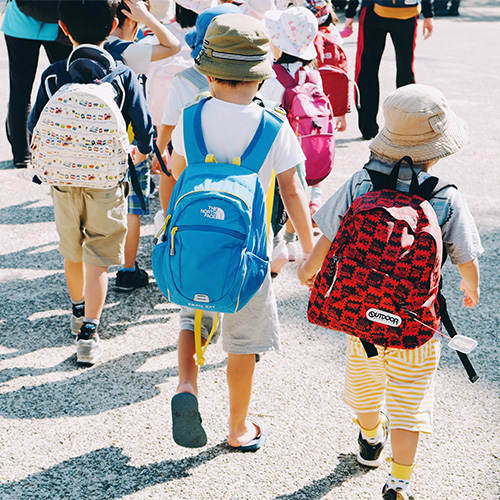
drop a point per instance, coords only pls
(188, 227)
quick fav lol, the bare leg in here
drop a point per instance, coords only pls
(132, 240)
(96, 287)
(75, 279)
(240, 370)
(188, 369)
(404, 446)
(368, 421)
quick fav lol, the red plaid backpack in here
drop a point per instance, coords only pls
(381, 277)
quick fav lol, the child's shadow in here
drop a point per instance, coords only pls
(346, 469)
(115, 384)
(103, 474)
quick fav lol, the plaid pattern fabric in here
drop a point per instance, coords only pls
(143, 170)
(380, 279)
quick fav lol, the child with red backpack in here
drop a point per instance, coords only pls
(331, 60)
(397, 280)
(299, 89)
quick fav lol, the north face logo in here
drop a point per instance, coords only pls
(384, 317)
(213, 213)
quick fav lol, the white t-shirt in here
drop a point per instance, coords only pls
(137, 56)
(182, 92)
(228, 129)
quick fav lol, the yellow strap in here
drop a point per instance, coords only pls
(270, 201)
(200, 351)
(130, 132)
(210, 158)
(236, 160)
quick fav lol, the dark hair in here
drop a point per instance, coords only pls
(88, 21)
(289, 59)
(230, 83)
(123, 6)
(185, 17)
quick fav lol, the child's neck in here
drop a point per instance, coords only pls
(241, 94)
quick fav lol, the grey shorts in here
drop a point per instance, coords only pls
(254, 329)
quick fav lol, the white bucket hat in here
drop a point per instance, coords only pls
(197, 6)
(418, 123)
(293, 31)
(257, 8)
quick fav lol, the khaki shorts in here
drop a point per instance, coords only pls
(402, 378)
(91, 223)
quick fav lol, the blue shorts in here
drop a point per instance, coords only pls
(143, 170)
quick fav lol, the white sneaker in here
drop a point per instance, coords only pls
(88, 350)
(76, 324)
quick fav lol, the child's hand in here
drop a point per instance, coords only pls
(340, 124)
(156, 167)
(137, 156)
(471, 296)
(138, 11)
(304, 277)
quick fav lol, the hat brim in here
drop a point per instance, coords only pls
(421, 151)
(242, 71)
(273, 25)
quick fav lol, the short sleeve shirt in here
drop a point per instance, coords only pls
(228, 129)
(460, 235)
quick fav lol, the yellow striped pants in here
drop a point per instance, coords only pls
(403, 379)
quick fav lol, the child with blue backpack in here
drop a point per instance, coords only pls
(420, 128)
(235, 60)
(91, 222)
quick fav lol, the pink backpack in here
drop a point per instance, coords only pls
(310, 114)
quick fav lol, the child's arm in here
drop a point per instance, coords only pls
(178, 164)
(168, 44)
(294, 199)
(164, 136)
(308, 269)
(470, 282)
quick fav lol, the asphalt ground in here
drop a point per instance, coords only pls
(103, 433)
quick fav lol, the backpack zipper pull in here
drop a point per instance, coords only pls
(172, 234)
(334, 261)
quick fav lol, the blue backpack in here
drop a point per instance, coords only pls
(213, 253)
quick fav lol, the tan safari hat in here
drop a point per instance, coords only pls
(236, 47)
(418, 123)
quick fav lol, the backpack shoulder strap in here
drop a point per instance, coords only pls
(194, 77)
(258, 149)
(283, 76)
(117, 47)
(196, 149)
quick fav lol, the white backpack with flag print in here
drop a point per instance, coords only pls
(81, 138)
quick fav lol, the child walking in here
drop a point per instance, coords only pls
(138, 56)
(92, 223)
(292, 33)
(418, 124)
(234, 59)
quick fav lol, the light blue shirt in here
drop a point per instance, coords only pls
(19, 25)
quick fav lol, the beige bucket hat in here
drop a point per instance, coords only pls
(418, 123)
(236, 47)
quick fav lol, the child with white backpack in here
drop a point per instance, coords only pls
(80, 147)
